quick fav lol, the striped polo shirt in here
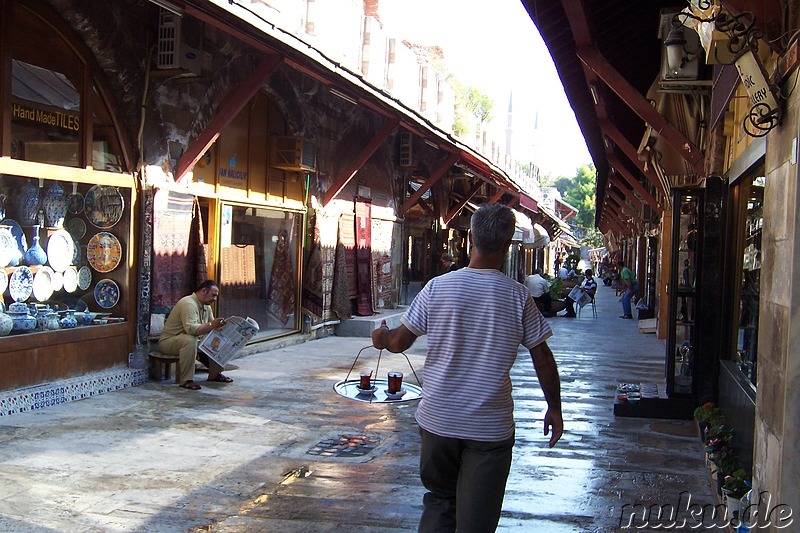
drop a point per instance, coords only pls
(475, 320)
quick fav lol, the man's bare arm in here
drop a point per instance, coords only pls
(547, 372)
(395, 340)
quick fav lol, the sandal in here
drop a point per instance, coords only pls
(191, 385)
(221, 378)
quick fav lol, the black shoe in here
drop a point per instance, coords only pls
(570, 315)
(626, 316)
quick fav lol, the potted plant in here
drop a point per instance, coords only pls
(734, 486)
(707, 415)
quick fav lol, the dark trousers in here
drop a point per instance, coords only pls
(544, 302)
(466, 480)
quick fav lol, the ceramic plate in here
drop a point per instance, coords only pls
(16, 231)
(103, 205)
(76, 255)
(75, 203)
(60, 250)
(20, 285)
(104, 252)
(84, 278)
(58, 281)
(3, 280)
(106, 293)
(43, 284)
(8, 247)
(76, 227)
(71, 279)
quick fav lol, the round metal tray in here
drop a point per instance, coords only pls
(349, 389)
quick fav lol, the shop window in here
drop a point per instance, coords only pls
(259, 255)
(51, 101)
(750, 222)
(63, 252)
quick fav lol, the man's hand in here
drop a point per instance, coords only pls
(378, 336)
(217, 323)
(553, 421)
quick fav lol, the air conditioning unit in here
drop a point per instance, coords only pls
(405, 150)
(174, 37)
(293, 154)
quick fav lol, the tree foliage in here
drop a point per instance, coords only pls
(579, 192)
(469, 101)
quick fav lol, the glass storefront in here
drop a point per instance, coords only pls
(749, 221)
(259, 259)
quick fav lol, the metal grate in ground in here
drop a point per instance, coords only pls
(345, 446)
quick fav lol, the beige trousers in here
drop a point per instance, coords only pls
(185, 347)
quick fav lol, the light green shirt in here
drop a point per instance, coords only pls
(627, 276)
(187, 315)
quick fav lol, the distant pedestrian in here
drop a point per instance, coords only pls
(475, 320)
(540, 291)
(448, 263)
(631, 287)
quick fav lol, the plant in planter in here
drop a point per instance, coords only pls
(734, 487)
(556, 288)
(706, 416)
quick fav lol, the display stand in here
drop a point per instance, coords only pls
(379, 392)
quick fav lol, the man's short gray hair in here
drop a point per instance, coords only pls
(492, 226)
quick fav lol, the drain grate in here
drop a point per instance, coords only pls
(345, 446)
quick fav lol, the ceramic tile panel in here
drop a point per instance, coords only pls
(68, 390)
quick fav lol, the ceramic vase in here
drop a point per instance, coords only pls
(52, 321)
(35, 254)
(6, 324)
(21, 318)
(26, 204)
(41, 318)
(54, 203)
(87, 317)
(69, 321)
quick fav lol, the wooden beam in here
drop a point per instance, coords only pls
(632, 181)
(641, 106)
(235, 100)
(494, 199)
(435, 176)
(513, 201)
(347, 174)
(625, 209)
(460, 205)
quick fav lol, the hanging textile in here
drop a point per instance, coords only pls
(363, 258)
(281, 296)
(199, 246)
(340, 304)
(173, 261)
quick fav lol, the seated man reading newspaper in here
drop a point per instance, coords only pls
(189, 321)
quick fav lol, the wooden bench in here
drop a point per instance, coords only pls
(159, 365)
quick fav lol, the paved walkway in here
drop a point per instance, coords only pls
(263, 454)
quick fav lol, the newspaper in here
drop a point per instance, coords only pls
(222, 344)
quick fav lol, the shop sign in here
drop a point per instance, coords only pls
(58, 119)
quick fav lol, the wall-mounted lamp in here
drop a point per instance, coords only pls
(339, 94)
(169, 6)
(742, 43)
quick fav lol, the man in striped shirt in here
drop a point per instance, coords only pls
(475, 319)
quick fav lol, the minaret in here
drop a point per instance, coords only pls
(509, 130)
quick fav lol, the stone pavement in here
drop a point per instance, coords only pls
(266, 453)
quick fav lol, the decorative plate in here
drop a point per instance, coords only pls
(8, 247)
(43, 284)
(76, 255)
(103, 205)
(60, 250)
(20, 285)
(104, 252)
(16, 231)
(71, 279)
(57, 281)
(106, 293)
(3, 281)
(84, 278)
(76, 227)
(75, 203)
